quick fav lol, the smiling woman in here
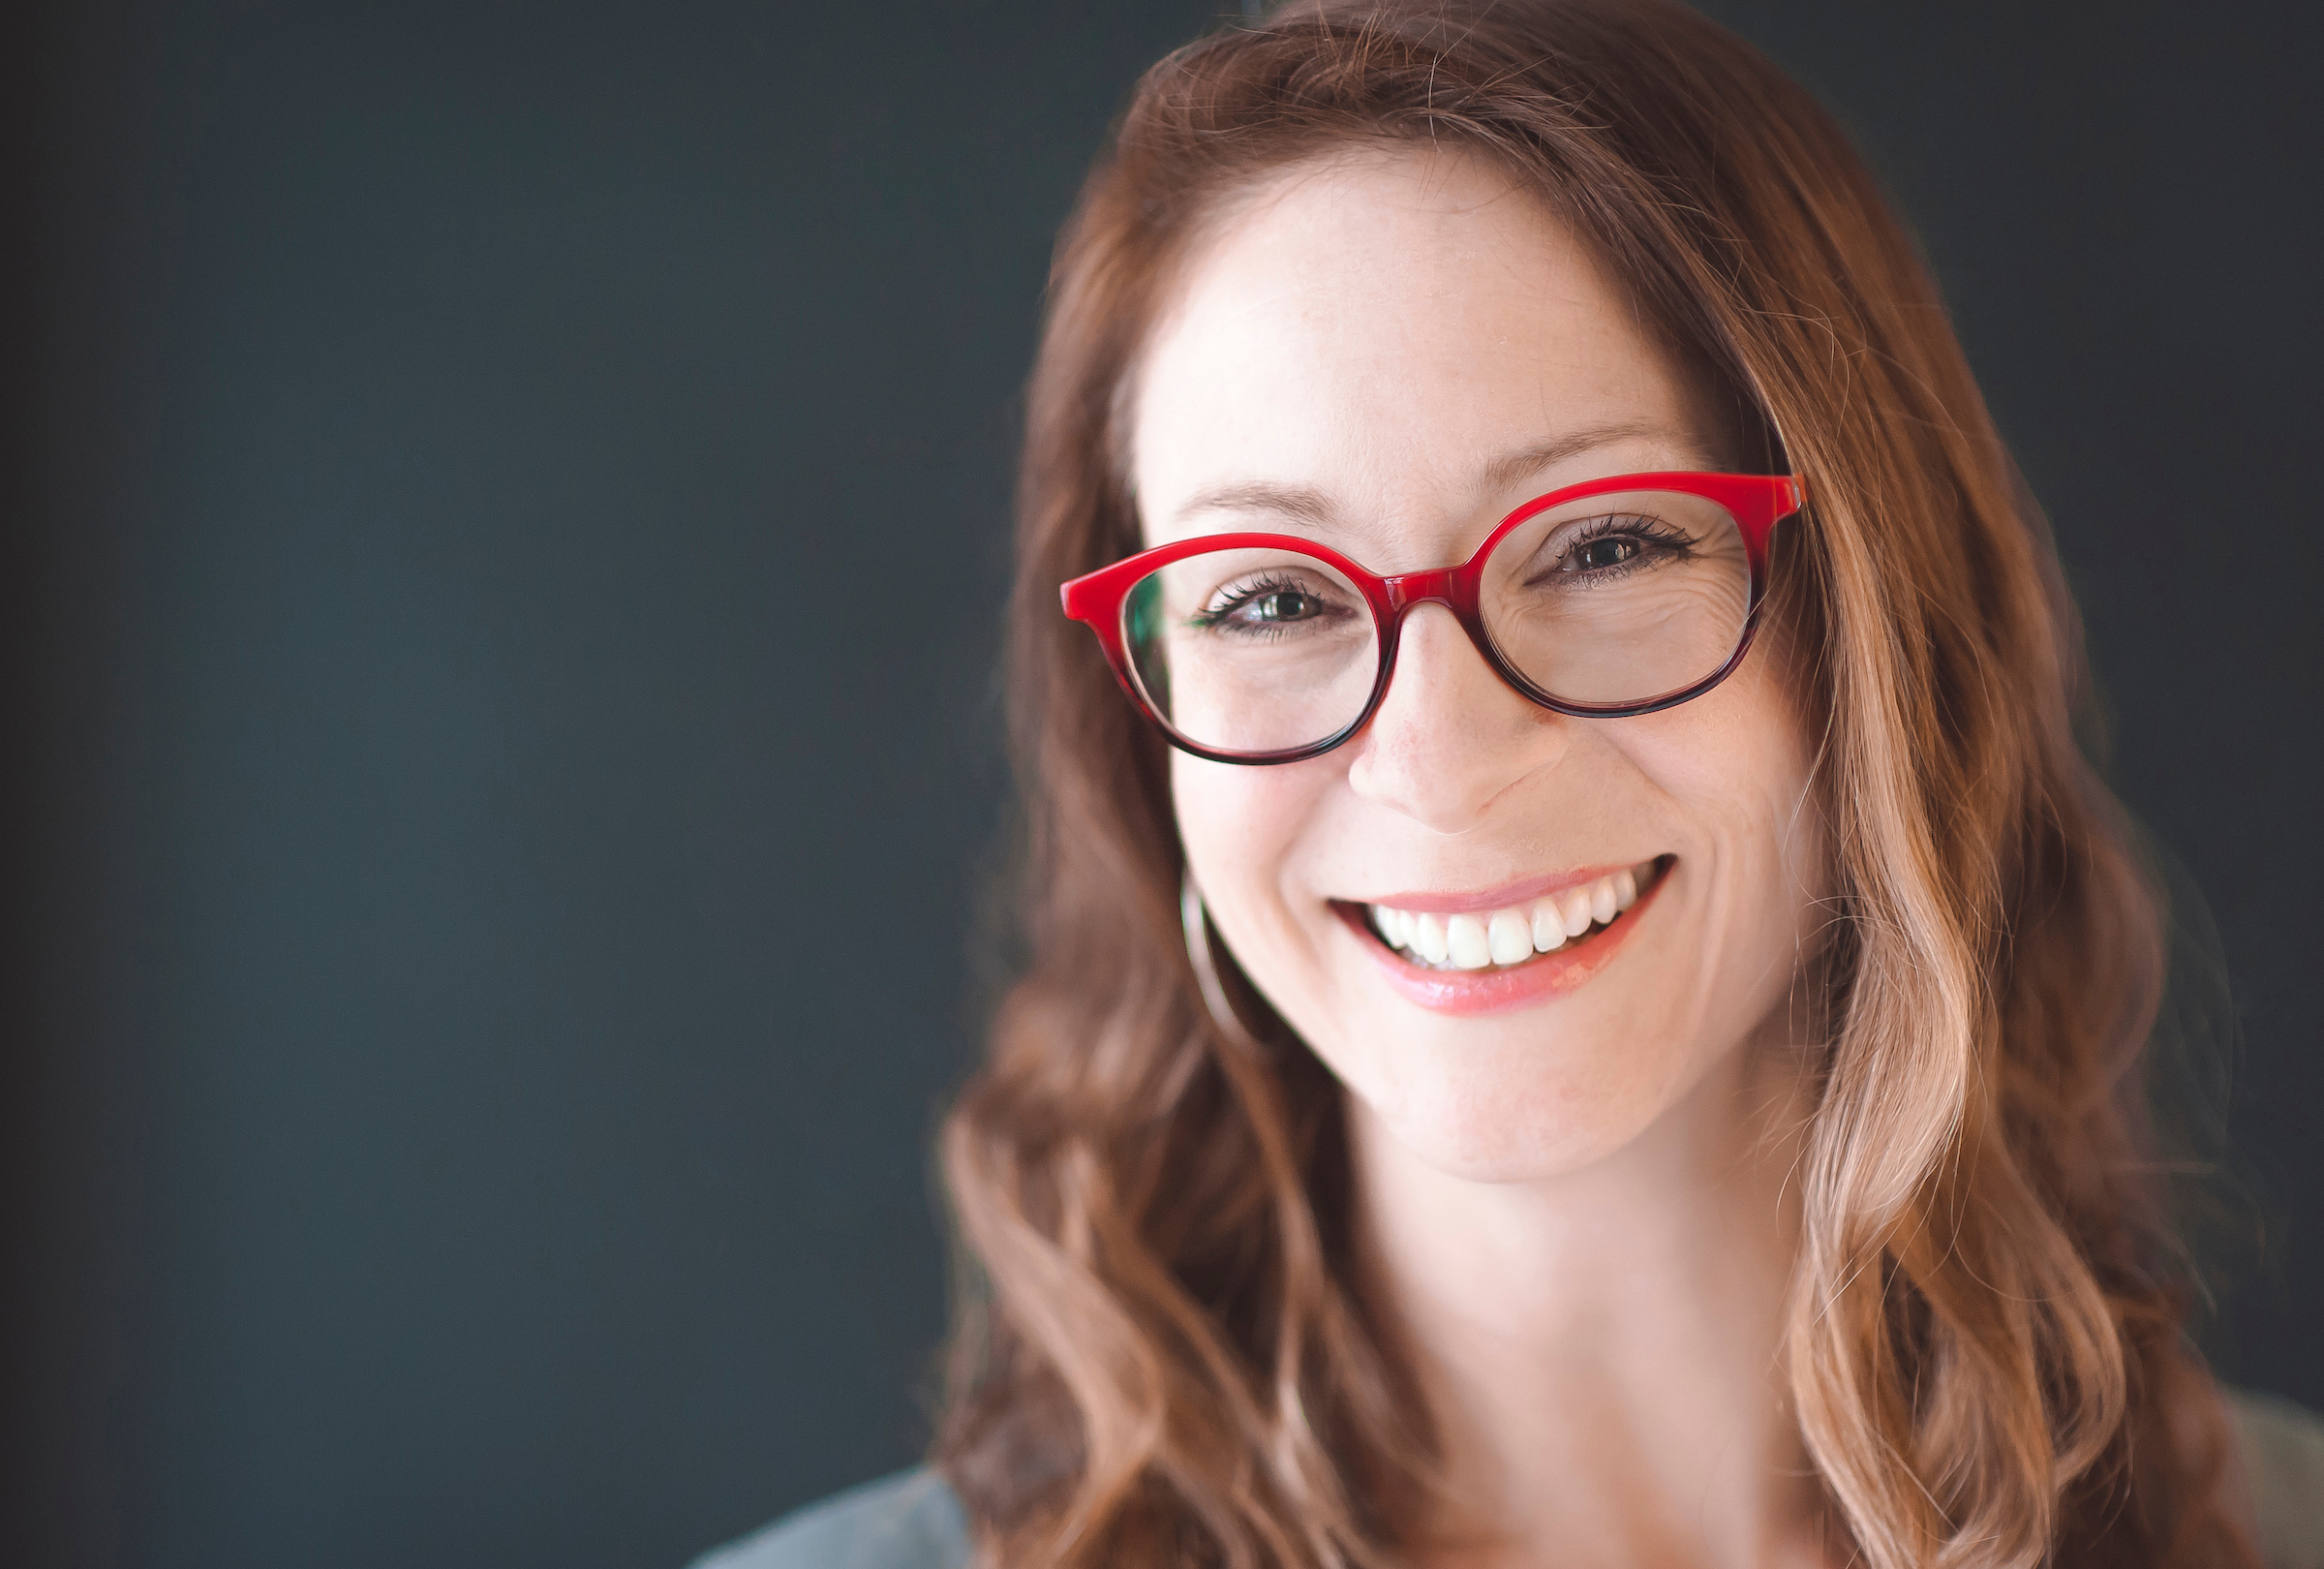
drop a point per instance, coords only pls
(1583, 1004)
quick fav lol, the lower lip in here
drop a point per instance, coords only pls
(1499, 991)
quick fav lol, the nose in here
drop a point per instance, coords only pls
(1451, 736)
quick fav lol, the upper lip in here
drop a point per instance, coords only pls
(1522, 891)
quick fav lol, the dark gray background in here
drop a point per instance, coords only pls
(507, 503)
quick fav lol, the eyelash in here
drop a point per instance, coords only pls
(1242, 594)
(1650, 531)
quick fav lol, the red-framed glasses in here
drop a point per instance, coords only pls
(1603, 600)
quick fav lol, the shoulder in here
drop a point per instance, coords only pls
(2282, 1446)
(909, 1520)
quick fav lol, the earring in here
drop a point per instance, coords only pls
(1192, 917)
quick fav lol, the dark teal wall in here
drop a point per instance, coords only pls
(508, 507)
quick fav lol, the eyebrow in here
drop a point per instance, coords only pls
(1305, 503)
(1510, 468)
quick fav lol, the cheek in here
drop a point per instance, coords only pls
(1739, 766)
(1240, 828)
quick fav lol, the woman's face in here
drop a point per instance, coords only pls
(1389, 353)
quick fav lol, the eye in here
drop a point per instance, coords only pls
(1616, 546)
(1611, 550)
(1271, 605)
(1278, 606)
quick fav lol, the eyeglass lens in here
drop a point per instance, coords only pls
(1610, 600)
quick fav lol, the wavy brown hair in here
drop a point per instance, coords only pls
(1164, 1362)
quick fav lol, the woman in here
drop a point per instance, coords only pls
(1578, 1009)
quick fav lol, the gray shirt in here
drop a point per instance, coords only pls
(911, 1520)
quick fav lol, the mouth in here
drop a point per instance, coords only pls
(1511, 952)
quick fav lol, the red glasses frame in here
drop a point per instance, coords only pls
(1755, 502)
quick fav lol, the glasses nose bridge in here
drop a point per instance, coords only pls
(1408, 591)
(1452, 587)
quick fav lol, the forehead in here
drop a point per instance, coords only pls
(1393, 332)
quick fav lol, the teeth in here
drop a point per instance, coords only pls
(1548, 930)
(1573, 905)
(1511, 935)
(1465, 945)
(1509, 938)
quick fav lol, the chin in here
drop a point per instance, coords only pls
(1531, 1092)
(1511, 1112)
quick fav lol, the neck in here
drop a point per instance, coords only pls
(1601, 1352)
